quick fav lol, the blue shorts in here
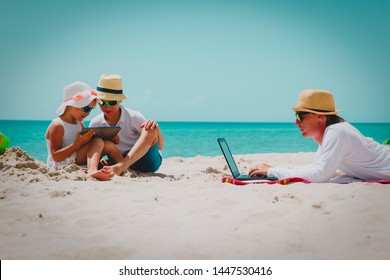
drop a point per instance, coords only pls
(150, 162)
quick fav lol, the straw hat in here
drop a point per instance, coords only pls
(77, 94)
(316, 101)
(110, 87)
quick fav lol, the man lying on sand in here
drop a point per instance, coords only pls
(341, 146)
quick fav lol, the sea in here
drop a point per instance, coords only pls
(190, 139)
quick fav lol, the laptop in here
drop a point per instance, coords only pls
(233, 167)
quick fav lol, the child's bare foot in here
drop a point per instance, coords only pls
(118, 168)
(103, 174)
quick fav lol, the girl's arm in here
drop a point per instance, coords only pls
(55, 134)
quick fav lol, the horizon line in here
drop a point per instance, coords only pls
(199, 121)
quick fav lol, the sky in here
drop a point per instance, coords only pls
(244, 61)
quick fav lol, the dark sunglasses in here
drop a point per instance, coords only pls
(299, 116)
(109, 103)
(87, 109)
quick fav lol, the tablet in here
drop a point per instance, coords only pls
(104, 132)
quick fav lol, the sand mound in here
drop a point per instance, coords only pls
(17, 164)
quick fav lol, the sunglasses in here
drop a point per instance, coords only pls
(109, 103)
(87, 109)
(299, 116)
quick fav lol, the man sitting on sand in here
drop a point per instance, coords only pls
(139, 140)
(341, 146)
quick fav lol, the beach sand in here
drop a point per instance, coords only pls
(185, 212)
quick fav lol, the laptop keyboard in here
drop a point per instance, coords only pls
(246, 176)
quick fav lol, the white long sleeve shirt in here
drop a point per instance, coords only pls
(343, 148)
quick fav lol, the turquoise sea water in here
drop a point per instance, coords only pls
(188, 139)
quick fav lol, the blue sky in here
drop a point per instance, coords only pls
(198, 60)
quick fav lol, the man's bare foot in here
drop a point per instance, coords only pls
(103, 174)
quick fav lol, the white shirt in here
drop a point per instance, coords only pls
(130, 122)
(344, 148)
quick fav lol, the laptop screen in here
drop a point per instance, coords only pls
(228, 156)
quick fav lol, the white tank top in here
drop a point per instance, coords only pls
(70, 132)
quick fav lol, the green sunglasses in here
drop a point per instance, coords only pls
(299, 116)
(109, 103)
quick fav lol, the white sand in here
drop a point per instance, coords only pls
(185, 212)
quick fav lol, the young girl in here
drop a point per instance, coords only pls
(66, 145)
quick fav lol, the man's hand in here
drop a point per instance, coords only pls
(261, 169)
